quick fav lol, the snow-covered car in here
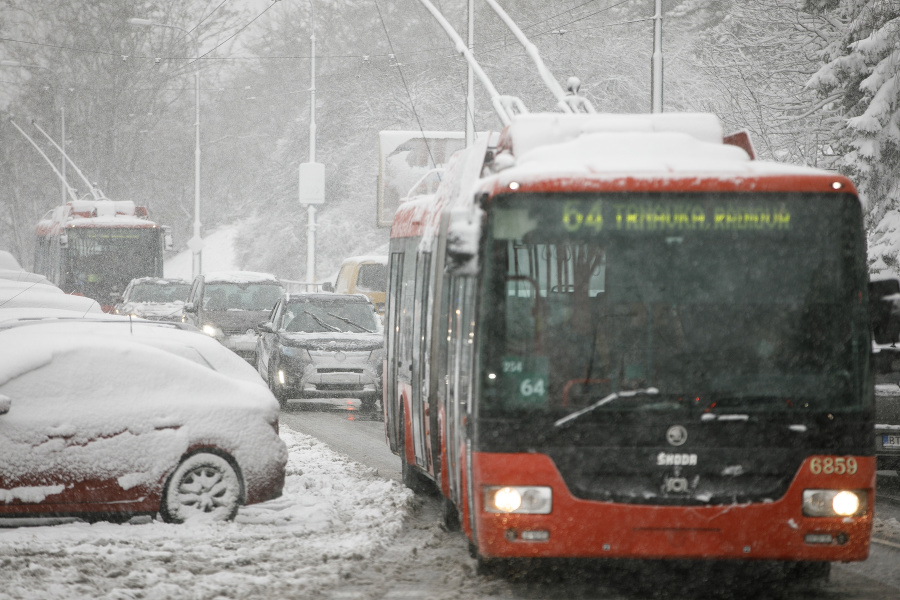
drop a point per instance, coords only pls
(22, 291)
(322, 346)
(155, 298)
(112, 417)
(228, 305)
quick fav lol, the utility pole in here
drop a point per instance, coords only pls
(470, 79)
(656, 63)
(312, 174)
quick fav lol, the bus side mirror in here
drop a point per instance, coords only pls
(884, 310)
(327, 287)
(463, 235)
(63, 240)
(167, 237)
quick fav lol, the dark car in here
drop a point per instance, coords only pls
(154, 298)
(228, 305)
(322, 346)
(887, 406)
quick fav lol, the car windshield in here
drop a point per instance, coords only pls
(159, 292)
(371, 278)
(241, 296)
(591, 297)
(329, 316)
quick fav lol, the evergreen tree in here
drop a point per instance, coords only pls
(860, 82)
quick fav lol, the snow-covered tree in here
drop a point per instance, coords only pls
(754, 58)
(860, 77)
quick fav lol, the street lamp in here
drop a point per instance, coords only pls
(62, 110)
(196, 242)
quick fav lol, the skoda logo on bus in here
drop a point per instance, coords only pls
(676, 435)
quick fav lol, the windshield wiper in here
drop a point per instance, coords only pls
(321, 322)
(650, 391)
(349, 322)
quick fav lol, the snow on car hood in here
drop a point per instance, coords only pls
(153, 309)
(77, 401)
(235, 319)
(332, 341)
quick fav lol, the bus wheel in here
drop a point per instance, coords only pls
(449, 515)
(412, 479)
(491, 566)
(810, 571)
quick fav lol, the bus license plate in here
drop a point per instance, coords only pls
(890, 441)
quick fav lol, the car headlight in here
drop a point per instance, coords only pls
(532, 500)
(834, 503)
(297, 353)
(212, 331)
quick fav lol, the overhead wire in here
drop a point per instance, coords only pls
(233, 34)
(405, 86)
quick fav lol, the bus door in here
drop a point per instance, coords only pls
(392, 318)
(420, 371)
(459, 369)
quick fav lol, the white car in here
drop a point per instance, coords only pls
(113, 417)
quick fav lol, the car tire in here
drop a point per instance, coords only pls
(204, 487)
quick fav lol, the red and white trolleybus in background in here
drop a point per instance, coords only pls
(621, 336)
(96, 247)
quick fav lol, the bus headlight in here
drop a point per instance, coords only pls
(834, 503)
(518, 499)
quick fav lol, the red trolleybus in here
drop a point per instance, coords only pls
(96, 247)
(620, 336)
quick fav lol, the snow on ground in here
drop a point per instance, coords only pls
(218, 255)
(333, 516)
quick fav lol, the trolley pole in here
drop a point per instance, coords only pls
(656, 63)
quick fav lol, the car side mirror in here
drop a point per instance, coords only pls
(266, 327)
(328, 287)
(884, 310)
(5, 404)
(190, 307)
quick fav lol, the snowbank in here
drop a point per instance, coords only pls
(334, 515)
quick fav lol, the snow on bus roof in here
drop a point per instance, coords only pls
(367, 258)
(116, 220)
(239, 277)
(609, 145)
(531, 130)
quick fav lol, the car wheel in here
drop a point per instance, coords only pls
(204, 487)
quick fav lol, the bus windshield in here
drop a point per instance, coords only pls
(100, 262)
(746, 302)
